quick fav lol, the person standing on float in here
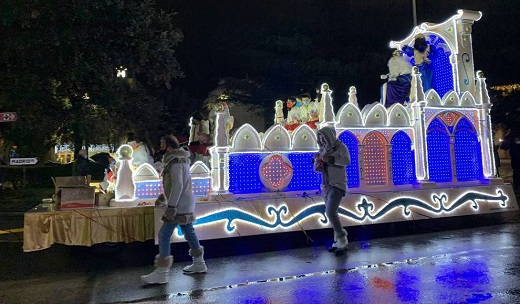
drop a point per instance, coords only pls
(180, 200)
(330, 161)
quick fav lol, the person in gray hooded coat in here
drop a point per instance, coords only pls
(180, 201)
(331, 161)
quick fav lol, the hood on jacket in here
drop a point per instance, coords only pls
(177, 153)
(330, 136)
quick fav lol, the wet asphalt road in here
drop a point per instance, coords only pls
(478, 262)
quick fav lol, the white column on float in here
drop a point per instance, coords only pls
(485, 131)
(220, 156)
(419, 125)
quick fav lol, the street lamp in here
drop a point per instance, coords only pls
(414, 9)
(121, 72)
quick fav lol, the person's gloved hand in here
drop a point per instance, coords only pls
(160, 201)
(169, 214)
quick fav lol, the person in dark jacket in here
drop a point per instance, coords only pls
(513, 145)
(82, 163)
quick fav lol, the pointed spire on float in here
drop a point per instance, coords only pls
(482, 92)
(221, 136)
(278, 113)
(352, 97)
(326, 106)
(416, 93)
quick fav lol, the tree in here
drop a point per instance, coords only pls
(59, 61)
(505, 113)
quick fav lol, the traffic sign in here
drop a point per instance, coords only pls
(8, 116)
(23, 161)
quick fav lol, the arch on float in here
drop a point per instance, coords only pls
(403, 159)
(467, 100)
(398, 116)
(451, 99)
(352, 170)
(349, 115)
(246, 138)
(304, 139)
(468, 155)
(276, 138)
(375, 159)
(433, 99)
(146, 172)
(376, 116)
(438, 148)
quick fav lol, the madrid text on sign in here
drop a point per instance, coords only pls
(23, 161)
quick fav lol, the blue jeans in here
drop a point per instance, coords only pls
(166, 232)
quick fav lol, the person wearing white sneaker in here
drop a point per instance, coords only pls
(330, 161)
(180, 201)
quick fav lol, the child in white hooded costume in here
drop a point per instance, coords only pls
(178, 195)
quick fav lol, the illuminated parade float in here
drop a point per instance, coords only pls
(428, 156)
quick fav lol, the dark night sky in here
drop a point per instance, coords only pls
(219, 33)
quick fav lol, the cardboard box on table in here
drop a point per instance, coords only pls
(74, 192)
(103, 199)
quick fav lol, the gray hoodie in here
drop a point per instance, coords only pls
(333, 172)
(177, 185)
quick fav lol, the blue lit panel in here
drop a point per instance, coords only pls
(244, 174)
(353, 169)
(468, 157)
(148, 189)
(403, 159)
(201, 186)
(442, 70)
(438, 147)
(304, 176)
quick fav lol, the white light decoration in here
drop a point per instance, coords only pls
(121, 72)
(125, 186)
(255, 216)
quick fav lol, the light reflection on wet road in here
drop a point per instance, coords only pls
(477, 265)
